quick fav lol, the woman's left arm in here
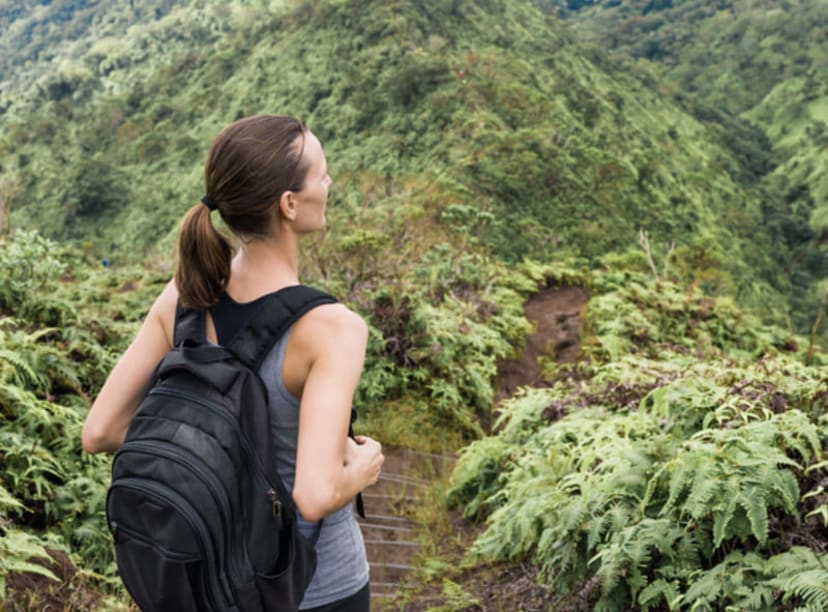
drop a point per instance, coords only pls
(111, 412)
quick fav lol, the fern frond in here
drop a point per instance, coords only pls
(721, 522)
(802, 576)
(8, 502)
(657, 591)
(19, 371)
(811, 586)
(754, 502)
(17, 548)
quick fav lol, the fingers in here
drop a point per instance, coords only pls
(360, 439)
(367, 452)
(375, 459)
(375, 469)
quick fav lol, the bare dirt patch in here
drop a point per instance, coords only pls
(556, 313)
(30, 591)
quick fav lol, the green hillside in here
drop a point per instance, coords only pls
(487, 118)
(741, 65)
(37, 35)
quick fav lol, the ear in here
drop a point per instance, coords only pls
(287, 205)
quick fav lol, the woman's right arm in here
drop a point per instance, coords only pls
(106, 424)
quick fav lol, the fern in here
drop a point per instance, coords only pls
(802, 576)
(719, 474)
(45, 380)
(737, 581)
(17, 549)
(643, 499)
(16, 370)
(657, 591)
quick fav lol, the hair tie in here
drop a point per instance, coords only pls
(209, 203)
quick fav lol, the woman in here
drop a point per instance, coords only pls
(267, 177)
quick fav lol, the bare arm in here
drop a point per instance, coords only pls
(331, 468)
(109, 417)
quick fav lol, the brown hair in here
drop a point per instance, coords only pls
(251, 163)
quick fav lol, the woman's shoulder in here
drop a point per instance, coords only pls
(331, 324)
(334, 318)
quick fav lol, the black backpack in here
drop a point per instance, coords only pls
(200, 518)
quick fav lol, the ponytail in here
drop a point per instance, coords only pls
(204, 256)
(251, 163)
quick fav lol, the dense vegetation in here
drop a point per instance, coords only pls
(63, 322)
(486, 117)
(680, 464)
(755, 73)
(480, 152)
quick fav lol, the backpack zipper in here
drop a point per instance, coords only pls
(269, 489)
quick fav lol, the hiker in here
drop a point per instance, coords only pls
(266, 176)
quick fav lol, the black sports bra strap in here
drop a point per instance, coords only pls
(190, 324)
(279, 311)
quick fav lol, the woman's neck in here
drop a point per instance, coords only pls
(263, 266)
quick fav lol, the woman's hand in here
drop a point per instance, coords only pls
(364, 456)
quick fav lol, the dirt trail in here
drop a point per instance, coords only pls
(391, 537)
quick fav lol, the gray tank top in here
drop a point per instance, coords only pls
(342, 565)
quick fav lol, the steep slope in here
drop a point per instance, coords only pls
(754, 71)
(483, 123)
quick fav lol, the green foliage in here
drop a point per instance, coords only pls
(801, 575)
(56, 351)
(734, 476)
(40, 449)
(28, 264)
(661, 466)
(436, 337)
(632, 316)
(510, 136)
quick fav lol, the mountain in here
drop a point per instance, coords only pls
(487, 119)
(742, 66)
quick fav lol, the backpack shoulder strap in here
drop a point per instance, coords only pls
(190, 324)
(279, 311)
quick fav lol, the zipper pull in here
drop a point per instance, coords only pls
(276, 504)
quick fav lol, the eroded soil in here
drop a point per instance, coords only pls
(556, 314)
